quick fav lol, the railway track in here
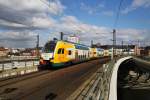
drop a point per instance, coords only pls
(15, 79)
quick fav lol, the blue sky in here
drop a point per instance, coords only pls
(103, 13)
(90, 12)
(20, 22)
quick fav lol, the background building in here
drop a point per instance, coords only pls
(4, 52)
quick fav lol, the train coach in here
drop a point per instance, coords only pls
(57, 53)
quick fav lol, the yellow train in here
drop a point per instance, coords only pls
(57, 53)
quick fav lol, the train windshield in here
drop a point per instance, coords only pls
(49, 47)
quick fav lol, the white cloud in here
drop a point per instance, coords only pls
(17, 39)
(56, 7)
(53, 7)
(88, 32)
(69, 19)
(96, 9)
(136, 4)
(19, 18)
(30, 14)
(42, 22)
(108, 13)
(70, 24)
(131, 36)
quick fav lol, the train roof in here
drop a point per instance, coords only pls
(83, 47)
(77, 45)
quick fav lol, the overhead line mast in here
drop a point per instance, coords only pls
(114, 30)
(37, 46)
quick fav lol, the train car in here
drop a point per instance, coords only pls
(58, 53)
(106, 53)
(93, 52)
(82, 53)
(100, 52)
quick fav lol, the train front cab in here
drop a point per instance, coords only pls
(64, 54)
(47, 55)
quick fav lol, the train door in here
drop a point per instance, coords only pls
(70, 54)
(76, 55)
(63, 55)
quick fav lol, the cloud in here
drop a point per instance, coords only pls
(22, 19)
(42, 23)
(96, 9)
(17, 39)
(28, 14)
(108, 13)
(19, 19)
(136, 4)
(36, 7)
(132, 36)
(88, 32)
(67, 24)
(71, 25)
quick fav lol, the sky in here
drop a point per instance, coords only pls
(22, 20)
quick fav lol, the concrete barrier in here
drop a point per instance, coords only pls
(113, 81)
(19, 71)
(102, 85)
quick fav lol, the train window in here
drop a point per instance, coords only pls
(49, 47)
(59, 51)
(80, 57)
(62, 51)
(69, 52)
